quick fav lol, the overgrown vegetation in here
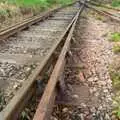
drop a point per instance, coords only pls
(116, 3)
(34, 4)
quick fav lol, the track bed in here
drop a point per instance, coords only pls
(22, 53)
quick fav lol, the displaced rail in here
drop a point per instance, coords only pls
(26, 56)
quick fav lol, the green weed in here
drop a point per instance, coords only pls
(115, 37)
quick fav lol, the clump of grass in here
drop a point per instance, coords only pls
(115, 37)
(116, 49)
(115, 3)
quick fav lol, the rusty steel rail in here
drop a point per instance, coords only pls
(27, 23)
(18, 27)
(19, 101)
(105, 13)
(102, 12)
(47, 101)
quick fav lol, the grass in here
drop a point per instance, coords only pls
(36, 3)
(115, 3)
(115, 37)
(11, 8)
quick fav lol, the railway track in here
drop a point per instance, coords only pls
(27, 52)
(31, 49)
(104, 6)
(105, 13)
